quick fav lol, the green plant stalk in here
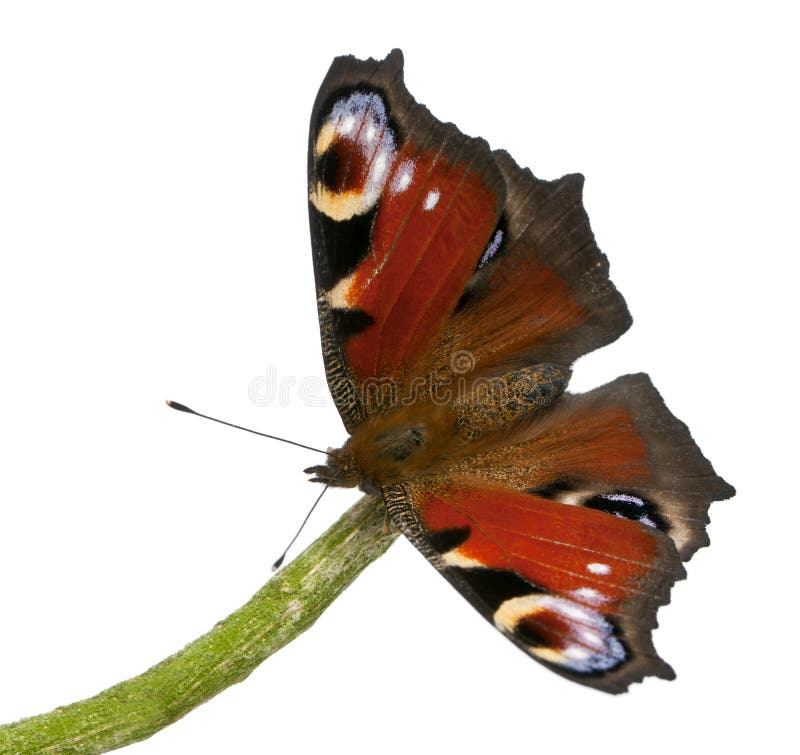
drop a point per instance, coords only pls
(280, 611)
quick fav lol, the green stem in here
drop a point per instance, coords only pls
(280, 611)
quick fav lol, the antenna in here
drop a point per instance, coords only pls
(182, 408)
(277, 564)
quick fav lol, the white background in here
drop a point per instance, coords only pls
(154, 244)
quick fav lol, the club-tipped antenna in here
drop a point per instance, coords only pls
(277, 564)
(183, 408)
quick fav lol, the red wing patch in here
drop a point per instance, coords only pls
(616, 449)
(402, 206)
(573, 587)
(574, 552)
(429, 231)
(543, 293)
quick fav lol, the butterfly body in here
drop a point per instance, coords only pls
(455, 290)
(426, 433)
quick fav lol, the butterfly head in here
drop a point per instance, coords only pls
(340, 470)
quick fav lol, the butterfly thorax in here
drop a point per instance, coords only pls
(423, 437)
(396, 445)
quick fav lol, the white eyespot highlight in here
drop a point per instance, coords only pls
(592, 638)
(597, 568)
(643, 518)
(491, 250)
(623, 497)
(589, 595)
(577, 612)
(403, 176)
(577, 654)
(354, 151)
(431, 200)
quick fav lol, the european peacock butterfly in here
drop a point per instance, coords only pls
(454, 290)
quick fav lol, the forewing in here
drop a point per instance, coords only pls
(401, 208)
(542, 291)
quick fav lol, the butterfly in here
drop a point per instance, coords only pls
(455, 290)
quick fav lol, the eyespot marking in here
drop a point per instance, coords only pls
(491, 250)
(629, 506)
(354, 152)
(559, 631)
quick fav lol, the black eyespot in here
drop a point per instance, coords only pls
(328, 167)
(629, 506)
(449, 539)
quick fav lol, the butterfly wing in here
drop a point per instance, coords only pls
(573, 587)
(565, 526)
(541, 292)
(568, 534)
(616, 449)
(400, 207)
(427, 243)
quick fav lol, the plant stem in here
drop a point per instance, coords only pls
(280, 611)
